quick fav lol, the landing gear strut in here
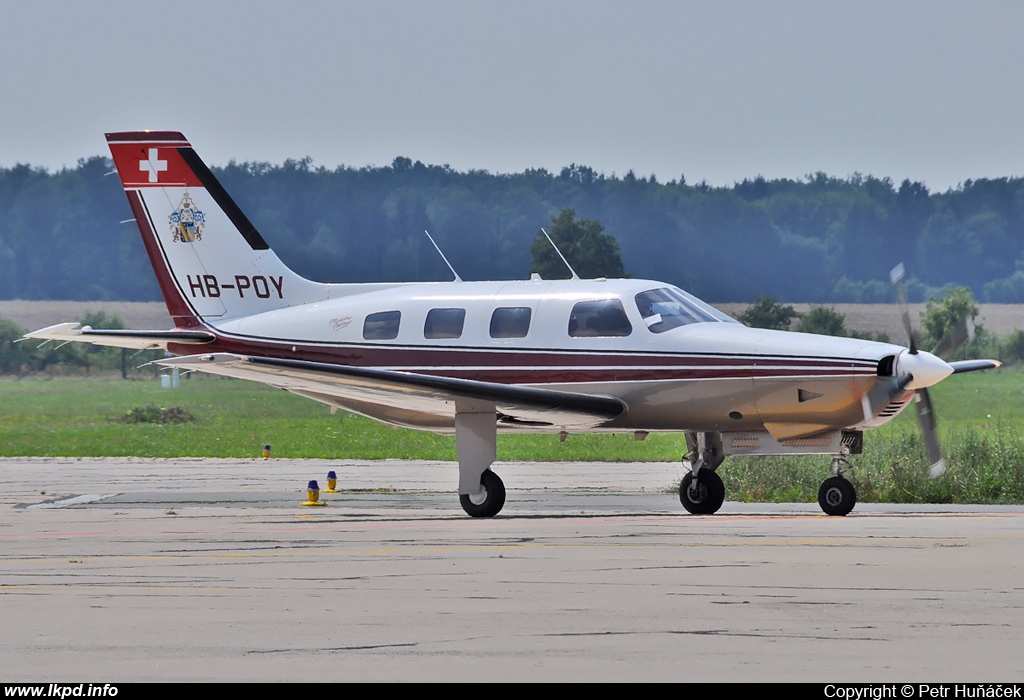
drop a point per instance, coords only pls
(837, 496)
(481, 491)
(701, 491)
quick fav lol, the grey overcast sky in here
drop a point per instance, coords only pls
(929, 90)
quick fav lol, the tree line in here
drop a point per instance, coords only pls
(22, 357)
(65, 234)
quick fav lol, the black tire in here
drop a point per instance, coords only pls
(706, 497)
(488, 503)
(837, 496)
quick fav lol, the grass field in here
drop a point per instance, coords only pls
(981, 417)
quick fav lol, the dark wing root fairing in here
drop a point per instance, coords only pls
(343, 385)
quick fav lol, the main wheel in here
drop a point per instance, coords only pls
(704, 497)
(837, 496)
(489, 501)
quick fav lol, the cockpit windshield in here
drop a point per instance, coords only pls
(667, 308)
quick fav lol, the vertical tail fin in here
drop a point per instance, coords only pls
(209, 259)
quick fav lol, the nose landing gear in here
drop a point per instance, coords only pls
(837, 496)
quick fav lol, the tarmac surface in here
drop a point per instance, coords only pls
(119, 570)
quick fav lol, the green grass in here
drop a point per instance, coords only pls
(233, 418)
(984, 466)
(981, 423)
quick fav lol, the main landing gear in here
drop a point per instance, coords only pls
(481, 491)
(702, 495)
(701, 491)
(837, 496)
(489, 500)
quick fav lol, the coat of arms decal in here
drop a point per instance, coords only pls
(187, 222)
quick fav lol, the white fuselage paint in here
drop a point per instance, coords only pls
(713, 376)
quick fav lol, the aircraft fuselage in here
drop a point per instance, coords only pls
(709, 374)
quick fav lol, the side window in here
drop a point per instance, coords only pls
(603, 318)
(510, 322)
(382, 326)
(444, 323)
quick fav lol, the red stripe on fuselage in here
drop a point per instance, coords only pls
(542, 367)
(447, 356)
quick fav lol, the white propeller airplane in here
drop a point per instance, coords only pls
(473, 358)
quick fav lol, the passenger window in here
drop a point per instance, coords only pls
(382, 326)
(603, 318)
(510, 322)
(444, 323)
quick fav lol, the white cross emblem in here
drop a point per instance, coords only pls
(153, 165)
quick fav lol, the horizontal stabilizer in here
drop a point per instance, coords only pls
(137, 340)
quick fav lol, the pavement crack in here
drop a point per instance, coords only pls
(329, 650)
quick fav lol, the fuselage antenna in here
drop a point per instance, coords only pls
(574, 275)
(454, 273)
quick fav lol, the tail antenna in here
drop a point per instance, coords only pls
(574, 275)
(438, 249)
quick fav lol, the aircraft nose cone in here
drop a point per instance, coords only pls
(926, 368)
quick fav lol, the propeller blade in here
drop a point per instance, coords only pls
(896, 276)
(926, 419)
(974, 365)
(962, 333)
(884, 391)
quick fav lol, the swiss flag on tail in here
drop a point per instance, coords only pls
(151, 159)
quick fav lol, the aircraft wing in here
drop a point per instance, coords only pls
(137, 340)
(387, 394)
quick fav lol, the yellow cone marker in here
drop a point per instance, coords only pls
(332, 483)
(313, 495)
